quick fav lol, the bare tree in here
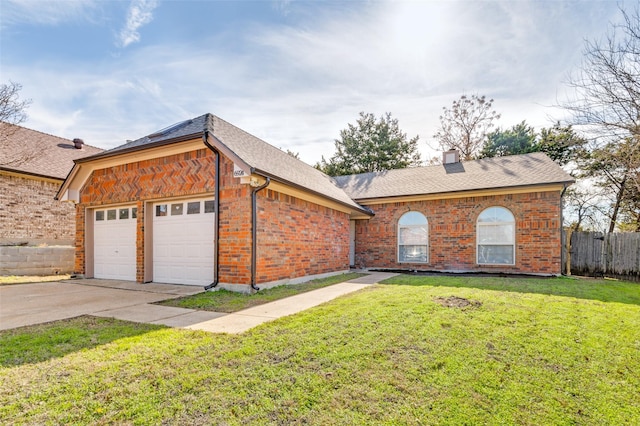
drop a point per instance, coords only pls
(466, 124)
(12, 109)
(607, 104)
(12, 113)
(580, 211)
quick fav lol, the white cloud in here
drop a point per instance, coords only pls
(298, 86)
(140, 13)
(46, 12)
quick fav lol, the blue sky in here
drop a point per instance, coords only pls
(291, 72)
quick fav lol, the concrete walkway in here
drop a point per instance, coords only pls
(28, 304)
(241, 321)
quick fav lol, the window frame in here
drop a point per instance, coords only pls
(400, 226)
(505, 243)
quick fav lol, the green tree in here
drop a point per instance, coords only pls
(519, 139)
(371, 145)
(560, 143)
(465, 126)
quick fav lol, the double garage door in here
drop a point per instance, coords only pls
(182, 247)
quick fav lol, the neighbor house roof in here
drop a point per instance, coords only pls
(256, 154)
(489, 173)
(35, 153)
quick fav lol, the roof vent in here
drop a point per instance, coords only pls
(77, 143)
(450, 157)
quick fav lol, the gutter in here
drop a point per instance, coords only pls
(216, 226)
(254, 230)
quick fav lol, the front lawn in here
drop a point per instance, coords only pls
(390, 354)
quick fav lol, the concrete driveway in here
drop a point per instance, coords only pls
(28, 304)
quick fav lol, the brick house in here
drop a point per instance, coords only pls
(203, 202)
(33, 165)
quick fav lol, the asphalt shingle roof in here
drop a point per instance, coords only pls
(256, 153)
(263, 158)
(29, 151)
(488, 173)
(274, 162)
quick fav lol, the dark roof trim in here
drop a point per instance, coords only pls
(20, 172)
(143, 147)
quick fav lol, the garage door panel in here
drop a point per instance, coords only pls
(183, 251)
(114, 248)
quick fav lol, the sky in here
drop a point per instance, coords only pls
(293, 73)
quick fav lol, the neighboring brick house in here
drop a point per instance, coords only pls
(203, 202)
(33, 165)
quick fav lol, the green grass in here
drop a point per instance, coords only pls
(230, 301)
(389, 354)
(579, 287)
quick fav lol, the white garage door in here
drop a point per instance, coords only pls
(183, 242)
(114, 243)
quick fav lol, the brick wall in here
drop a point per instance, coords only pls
(29, 213)
(295, 238)
(171, 176)
(298, 238)
(452, 235)
(235, 227)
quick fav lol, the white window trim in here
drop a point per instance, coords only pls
(505, 244)
(398, 240)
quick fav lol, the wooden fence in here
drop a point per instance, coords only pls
(597, 254)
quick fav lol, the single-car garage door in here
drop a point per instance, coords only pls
(114, 243)
(183, 242)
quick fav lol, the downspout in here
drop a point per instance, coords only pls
(254, 231)
(216, 226)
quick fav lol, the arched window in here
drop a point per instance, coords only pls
(413, 238)
(496, 234)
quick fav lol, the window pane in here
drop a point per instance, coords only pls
(497, 255)
(124, 214)
(496, 214)
(161, 210)
(413, 218)
(414, 235)
(412, 253)
(492, 234)
(193, 207)
(134, 212)
(210, 206)
(176, 209)
(100, 215)
(111, 214)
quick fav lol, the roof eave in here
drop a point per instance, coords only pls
(461, 192)
(108, 154)
(22, 172)
(303, 188)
